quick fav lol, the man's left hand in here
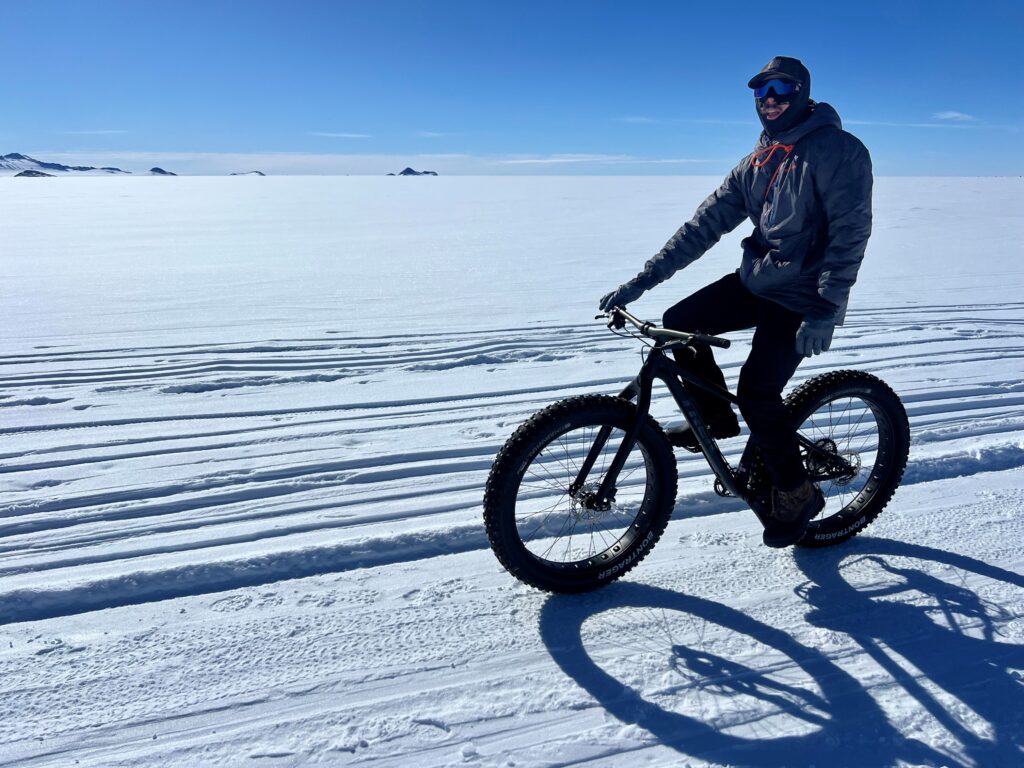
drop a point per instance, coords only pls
(814, 337)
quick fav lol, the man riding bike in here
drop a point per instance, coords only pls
(807, 190)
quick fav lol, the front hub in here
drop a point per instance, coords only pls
(587, 506)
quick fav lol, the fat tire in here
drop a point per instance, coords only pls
(526, 443)
(893, 449)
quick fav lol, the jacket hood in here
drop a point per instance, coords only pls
(818, 116)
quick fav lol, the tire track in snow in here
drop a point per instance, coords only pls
(138, 582)
(497, 351)
(393, 407)
(137, 492)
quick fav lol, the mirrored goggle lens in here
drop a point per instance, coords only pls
(781, 88)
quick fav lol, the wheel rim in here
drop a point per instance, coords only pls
(561, 529)
(857, 431)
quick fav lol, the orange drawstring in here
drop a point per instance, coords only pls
(770, 152)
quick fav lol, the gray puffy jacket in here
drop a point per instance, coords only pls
(808, 194)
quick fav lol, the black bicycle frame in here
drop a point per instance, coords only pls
(658, 366)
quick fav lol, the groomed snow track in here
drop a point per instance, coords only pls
(199, 493)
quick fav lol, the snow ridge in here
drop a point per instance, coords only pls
(241, 497)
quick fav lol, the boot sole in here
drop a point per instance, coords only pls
(789, 535)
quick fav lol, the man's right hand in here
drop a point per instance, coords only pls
(625, 294)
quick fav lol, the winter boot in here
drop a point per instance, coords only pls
(791, 512)
(720, 426)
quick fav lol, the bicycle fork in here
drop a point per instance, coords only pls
(640, 389)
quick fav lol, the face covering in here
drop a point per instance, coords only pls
(799, 106)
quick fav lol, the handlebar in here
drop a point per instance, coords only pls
(618, 314)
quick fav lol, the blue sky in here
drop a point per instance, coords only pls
(480, 86)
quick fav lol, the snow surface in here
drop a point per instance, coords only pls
(245, 429)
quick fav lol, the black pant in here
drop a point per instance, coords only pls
(726, 306)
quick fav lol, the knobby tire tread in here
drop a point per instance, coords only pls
(843, 525)
(502, 483)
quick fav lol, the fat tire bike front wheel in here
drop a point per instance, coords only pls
(543, 520)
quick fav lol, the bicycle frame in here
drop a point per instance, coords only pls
(659, 366)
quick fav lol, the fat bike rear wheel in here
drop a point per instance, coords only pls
(544, 521)
(861, 439)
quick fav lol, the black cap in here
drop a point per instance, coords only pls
(782, 67)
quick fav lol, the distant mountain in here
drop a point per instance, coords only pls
(33, 174)
(250, 173)
(18, 162)
(160, 172)
(411, 172)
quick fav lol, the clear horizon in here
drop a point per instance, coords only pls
(576, 87)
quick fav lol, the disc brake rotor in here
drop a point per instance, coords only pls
(585, 507)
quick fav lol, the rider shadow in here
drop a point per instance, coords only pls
(827, 725)
(938, 640)
(839, 723)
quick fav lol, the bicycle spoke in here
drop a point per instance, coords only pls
(557, 537)
(559, 528)
(545, 511)
(852, 427)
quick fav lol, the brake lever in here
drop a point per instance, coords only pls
(615, 321)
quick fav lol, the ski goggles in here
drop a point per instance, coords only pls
(784, 90)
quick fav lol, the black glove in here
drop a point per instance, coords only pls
(814, 337)
(625, 294)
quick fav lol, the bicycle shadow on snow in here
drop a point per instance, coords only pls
(901, 615)
(757, 697)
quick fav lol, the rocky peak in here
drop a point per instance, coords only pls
(411, 172)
